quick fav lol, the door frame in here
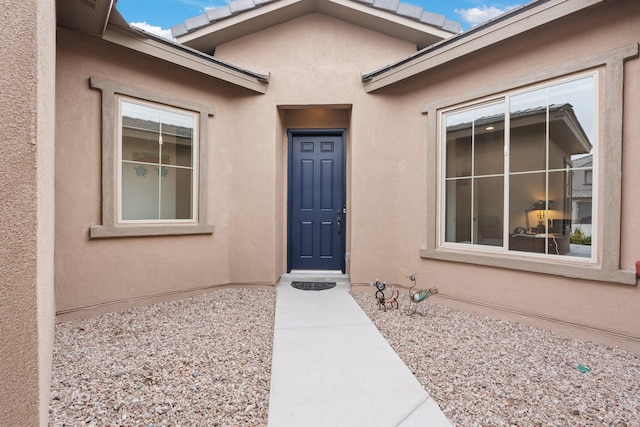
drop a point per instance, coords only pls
(291, 133)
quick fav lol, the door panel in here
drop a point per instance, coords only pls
(316, 200)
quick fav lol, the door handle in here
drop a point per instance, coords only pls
(339, 222)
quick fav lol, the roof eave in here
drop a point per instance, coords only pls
(90, 16)
(183, 56)
(400, 26)
(510, 24)
(206, 36)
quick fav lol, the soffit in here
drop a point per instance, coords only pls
(221, 25)
(90, 16)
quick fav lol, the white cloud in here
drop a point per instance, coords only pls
(154, 29)
(477, 15)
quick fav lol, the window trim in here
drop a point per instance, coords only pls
(111, 227)
(606, 267)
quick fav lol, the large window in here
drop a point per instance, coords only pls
(555, 207)
(154, 164)
(510, 166)
(158, 151)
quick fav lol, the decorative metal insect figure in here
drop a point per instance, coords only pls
(383, 301)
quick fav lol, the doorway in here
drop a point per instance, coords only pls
(317, 199)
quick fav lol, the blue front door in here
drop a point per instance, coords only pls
(317, 189)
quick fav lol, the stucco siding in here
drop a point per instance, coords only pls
(315, 64)
(26, 210)
(247, 145)
(597, 305)
(314, 59)
(96, 272)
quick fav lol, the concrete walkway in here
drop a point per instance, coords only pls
(332, 367)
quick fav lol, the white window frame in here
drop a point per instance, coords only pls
(112, 223)
(606, 265)
(195, 167)
(506, 173)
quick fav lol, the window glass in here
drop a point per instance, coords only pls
(488, 211)
(475, 175)
(548, 144)
(488, 141)
(459, 139)
(528, 131)
(157, 162)
(588, 177)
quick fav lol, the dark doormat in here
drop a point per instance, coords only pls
(313, 286)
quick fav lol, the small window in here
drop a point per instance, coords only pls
(588, 177)
(157, 158)
(154, 164)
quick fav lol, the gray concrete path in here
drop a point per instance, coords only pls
(332, 367)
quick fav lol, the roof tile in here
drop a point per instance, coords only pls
(196, 22)
(391, 5)
(432, 19)
(410, 11)
(179, 30)
(238, 6)
(218, 13)
(451, 26)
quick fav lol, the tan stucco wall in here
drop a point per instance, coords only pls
(249, 242)
(597, 305)
(388, 133)
(103, 271)
(247, 169)
(315, 63)
(26, 210)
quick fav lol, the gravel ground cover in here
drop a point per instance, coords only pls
(205, 361)
(487, 372)
(201, 361)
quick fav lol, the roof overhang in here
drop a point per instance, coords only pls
(518, 21)
(101, 19)
(90, 16)
(157, 47)
(207, 37)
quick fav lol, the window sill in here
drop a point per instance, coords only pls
(585, 272)
(102, 231)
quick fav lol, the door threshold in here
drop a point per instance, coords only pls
(327, 272)
(316, 276)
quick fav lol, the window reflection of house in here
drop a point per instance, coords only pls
(582, 193)
(536, 153)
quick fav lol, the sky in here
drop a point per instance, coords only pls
(158, 16)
